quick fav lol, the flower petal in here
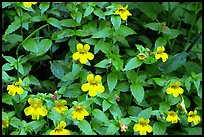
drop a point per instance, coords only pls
(27, 4)
(136, 127)
(90, 56)
(79, 47)
(92, 92)
(86, 47)
(100, 88)
(28, 111)
(148, 128)
(123, 16)
(42, 111)
(90, 78)
(85, 87)
(83, 59)
(98, 78)
(169, 90)
(164, 57)
(20, 90)
(76, 56)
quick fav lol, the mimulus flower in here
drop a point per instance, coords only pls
(29, 4)
(5, 123)
(79, 112)
(59, 130)
(172, 117)
(160, 54)
(123, 126)
(143, 126)
(59, 106)
(175, 89)
(35, 109)
(123, 12)
(82, 53)
(141, 56)
(193, 117)
(93, 85)
(15, 87)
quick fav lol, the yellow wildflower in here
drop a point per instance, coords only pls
(35, 109)
(79, 112)
(15, 87)
(93, 85)
(123, 126)
(172, 117)
(141, 56)
(59, 130)
(143, 126)
(59, 106)
(160, 54)
(29, 4)
(82, 53)
(175, 89)
(193, 117)
(5, 123)
(123, 12)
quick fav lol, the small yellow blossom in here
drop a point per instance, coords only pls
(143, 126)
(123, 12)
(35, 109)
(59, 130)
(79, 112)
(15, 87)
(141, 56)
(123, 126)
(5, 123)
(82, 53)
(175, 89)
(29, 4)
(172, 117)
(160, 54)
(60, 106)
(193, 117)
(93, 85)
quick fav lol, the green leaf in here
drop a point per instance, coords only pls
(57, 69)
(199, 92)
(30, 79)
(194, 130)
(100, 115)
(159, 128)
(10, 59)
(44, 46)
(103, 46)
(13, 26)
(78, 16)
(116, 61)
(164, 106)
(105, 105)
(68, 23)
(73, 91)
(15, 122)
(140, 48)
(112, 129)
(36, 125)
(12, 38)
(123, 86)
(20, 68)
(106, 32)
(116, 21)
(125, 31)
(159, 42)
(54, 22)
(30, 45)
(85, 127)
(153, 26)
(197, 84)
(6, 4)
(112, 80)
(115, 111)
(55, 116)
(103, 64)
(44, 6)
(137, 91)
(99, 12)
(146, 113)
(159, 81)
(134, 111)
(88, 11)
(6, 98)
(132, 64)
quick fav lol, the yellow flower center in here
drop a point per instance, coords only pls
(79, 109)
(93, 84)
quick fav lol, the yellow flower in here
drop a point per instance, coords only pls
(175, 89)
(35, 109)
(59, 130)
(193, 117)
(59, 106)
(160, 54)
(15, 87)
(29, 4)
(143, 126)
(123, 12)
(79, 112)
(93, 85)
(172, 117)
(82, 53)
(141, 56)
(5, 123)
(123, 126)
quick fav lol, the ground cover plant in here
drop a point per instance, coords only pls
(101, 68)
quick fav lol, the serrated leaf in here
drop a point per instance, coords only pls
(55, 116)
(146, 113)
(105, 105)
(106, 32)
(44, 6)
(100, 115)
(134, 111)
(116, 21)
(85, 127)
(140, 48)
(30, 79)
(10, 59)
(115, 111)
(68, 23)
(99, 12)
(159, 81)
(73, 91)
(164, 106)
(54, 22)
(153, 26)
(112, 80)
(57, 69)
(103, 64)
(137, 91)
(132, 64)
(88, 11)
(36, 125)
(30, 45)
(197, 84)
(6, 98)
(78, 16)
(103, 46)
(112, 129)
(158, 128)
(13, 26)
(44, 46)
(159, 42)
(125, 31)
(15, 122)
